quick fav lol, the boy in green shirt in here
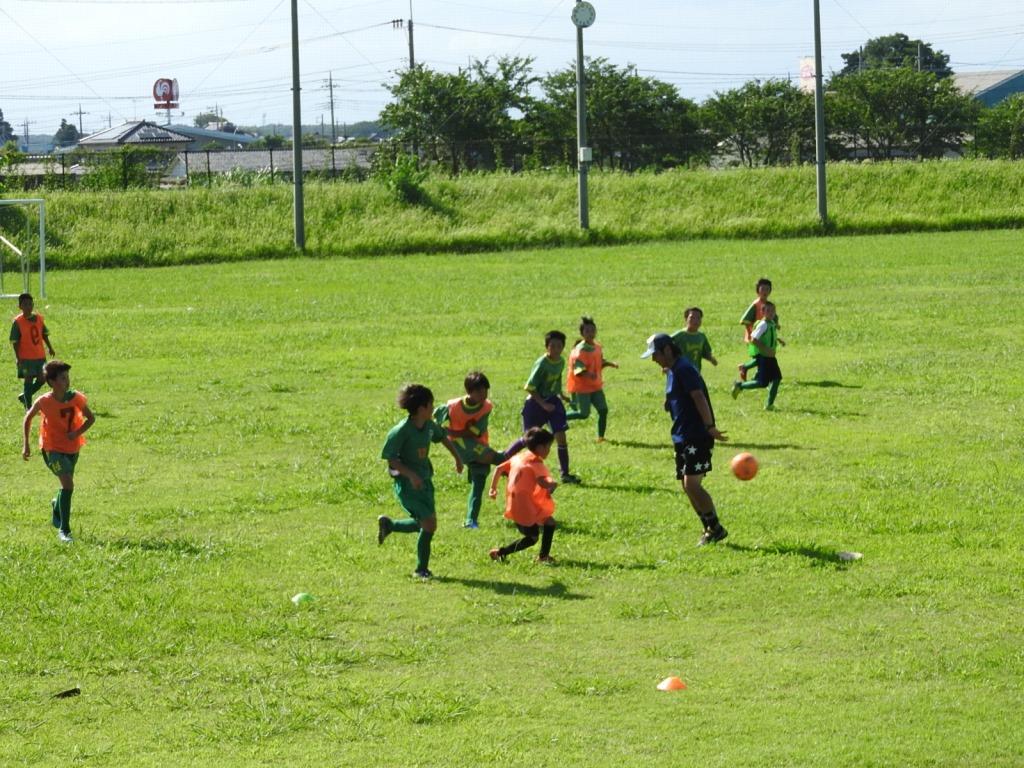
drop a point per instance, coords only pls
(764, 342)
(545, 404)
(406, 452)
(694, 344)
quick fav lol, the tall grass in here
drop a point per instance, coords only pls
(505, 212)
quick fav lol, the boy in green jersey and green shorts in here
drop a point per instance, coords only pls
(545, 403)
(465, 419)
(764, 343)
(406, 452)
(694, 344)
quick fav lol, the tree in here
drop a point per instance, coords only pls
(896, 50)
(1000, 131)
(6, 132)
(459, 118)
(762, 123)
(899, 112)
(632, 121)
(67, 135)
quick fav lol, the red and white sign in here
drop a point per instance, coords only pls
(165, 93)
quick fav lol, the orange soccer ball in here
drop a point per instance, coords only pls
(744, 466)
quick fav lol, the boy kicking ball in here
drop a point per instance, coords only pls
(65, 419)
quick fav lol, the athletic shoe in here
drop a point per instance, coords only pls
(712, 535)
(383, 528)
(546, 560)
(21, 399)
(423, 574)
(568, 479)
(600, 439)
(471, 524)
(55, 518)
(743, 372)
(496, 555)
(735, 390)
(770, 407)
(65, 537)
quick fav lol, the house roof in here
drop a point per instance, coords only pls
(194, 132)
(977, 83)
(135, 132)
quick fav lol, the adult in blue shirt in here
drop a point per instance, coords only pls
(693, 429)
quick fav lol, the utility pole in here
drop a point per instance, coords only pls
(300, 224)
(334, 125)
(918, 55)
(819, 120)
(80, 113)
(412, 51)
(583, 15)
(26, 124)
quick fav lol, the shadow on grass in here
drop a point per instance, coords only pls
(639, 488)
(173, 546)
(587, 565)
(828, 384)
(665, 446)
(831, 414)
(769, 446)
(819, 555)
(557, 589)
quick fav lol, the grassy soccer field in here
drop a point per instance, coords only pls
(235, 462)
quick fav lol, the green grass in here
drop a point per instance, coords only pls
(235, 462)
(503, 212)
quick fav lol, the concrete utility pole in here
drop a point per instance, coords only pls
(583, 15)
(334, 126)
(819, 120)
(412, 51)
(80, 113)
(26, 124)
(300, 223)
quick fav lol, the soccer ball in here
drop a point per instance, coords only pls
(744, 466)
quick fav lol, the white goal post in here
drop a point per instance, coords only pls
(19, 243)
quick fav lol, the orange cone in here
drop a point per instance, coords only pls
(671, 684)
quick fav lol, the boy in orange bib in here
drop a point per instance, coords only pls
(528, 501)
(28, 335)
(65, 419)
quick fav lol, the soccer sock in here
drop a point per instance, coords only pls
(773, 391)
(64, 502)
(55, 506)
(602, 422)
(563, 458)
(37, 384)
(423, 550)
(27, 391)
(545, 540)
(755, 384)
(404, 526)
(514, 447)
(524, 543)
(476, 495)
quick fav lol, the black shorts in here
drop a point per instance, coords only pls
(767, 370)
(693, 457)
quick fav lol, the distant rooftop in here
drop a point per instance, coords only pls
(977, 83)
(135, 132)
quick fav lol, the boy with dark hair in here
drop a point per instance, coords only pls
(693, 430)
(528, 501)
(584, 381)
(545, 403)
(765, 339)
(465, 419)
(754, 313)
(406, 452)
(28, 335)
(65, 419)
(694, 345)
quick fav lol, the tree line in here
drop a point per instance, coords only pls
(893, 98)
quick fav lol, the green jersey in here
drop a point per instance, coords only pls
(411, 445)
(546, 377)
(767, 333)
(695, 346)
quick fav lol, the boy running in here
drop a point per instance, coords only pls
(765, 340)
(406, 452)
(465, 419)
(754, 313)
(28, 335)
(694, 344)
(584, 382)
(546, 402)
(65, 419)
(528, 501)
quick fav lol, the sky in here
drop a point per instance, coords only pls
(102, 56)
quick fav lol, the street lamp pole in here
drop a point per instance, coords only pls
(300, 226)
(583, 15)
(819, 121)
